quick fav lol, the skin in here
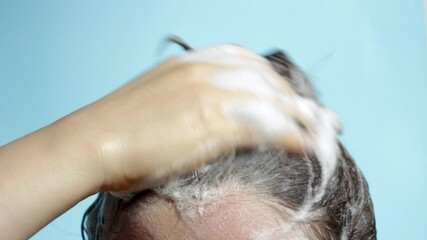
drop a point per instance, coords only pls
(231, 215)
(118, 142)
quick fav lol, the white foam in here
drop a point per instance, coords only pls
(266, 120)
(264, 115)
(224, 54)
(269, 120)
(244, 79)
(325, 146)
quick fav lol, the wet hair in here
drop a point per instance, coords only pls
(343, 211)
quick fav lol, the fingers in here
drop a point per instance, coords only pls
(260, 102)
(252, 103)
(269, 124)
(229, 54)
(224, 55)
(208, 103)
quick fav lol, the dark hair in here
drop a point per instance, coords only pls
(344, 210)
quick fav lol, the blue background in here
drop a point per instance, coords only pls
(367, 59)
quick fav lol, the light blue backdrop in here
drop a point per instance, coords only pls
(367, 59)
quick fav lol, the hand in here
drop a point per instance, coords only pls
(185, 112)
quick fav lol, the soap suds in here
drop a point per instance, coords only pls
(270, 114)
(268, 120)
(224, 54)
(244, 79)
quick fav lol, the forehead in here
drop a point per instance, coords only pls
(236, 216)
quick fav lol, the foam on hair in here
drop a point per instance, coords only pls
(288, 181)
(323, 194)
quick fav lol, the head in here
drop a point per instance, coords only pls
(251, 194)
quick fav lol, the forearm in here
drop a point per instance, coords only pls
(41, 176)
(169, 122)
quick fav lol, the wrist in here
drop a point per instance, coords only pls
(77, 154)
